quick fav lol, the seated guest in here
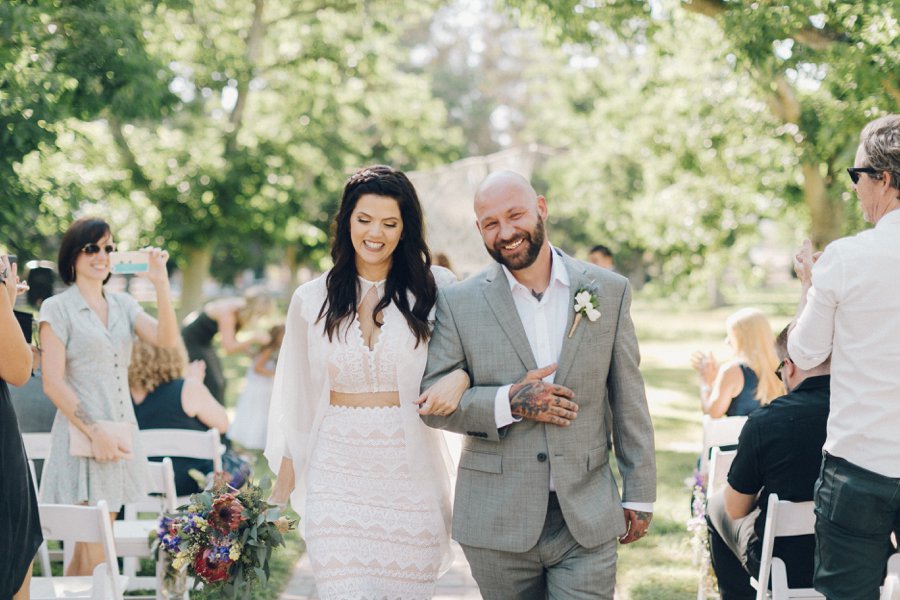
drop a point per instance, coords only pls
(740, 386)
(169, 394)
(779, 452)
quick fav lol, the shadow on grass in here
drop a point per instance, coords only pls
(665, 587)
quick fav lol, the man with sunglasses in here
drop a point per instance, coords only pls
(779, 452)
(850, 308)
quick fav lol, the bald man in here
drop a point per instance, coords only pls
(537, 510)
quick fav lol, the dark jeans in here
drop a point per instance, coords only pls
(733, 578)
(731, 546)
(856, 510)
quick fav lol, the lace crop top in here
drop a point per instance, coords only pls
(352, 367)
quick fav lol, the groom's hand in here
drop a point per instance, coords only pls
(534, 399)
(637, 523)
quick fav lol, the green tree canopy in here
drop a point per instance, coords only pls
(823, 68)
(265, 108)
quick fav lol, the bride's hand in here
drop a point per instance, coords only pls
(443, 397)
(284, 484)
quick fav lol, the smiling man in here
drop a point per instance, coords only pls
(537, 510)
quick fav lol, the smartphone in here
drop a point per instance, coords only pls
(129, 263)
(12, 260)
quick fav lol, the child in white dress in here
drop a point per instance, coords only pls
(252, 412)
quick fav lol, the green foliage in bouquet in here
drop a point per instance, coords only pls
(223, 538)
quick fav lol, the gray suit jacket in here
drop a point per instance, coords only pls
(503, 484)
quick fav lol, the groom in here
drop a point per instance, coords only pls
(537, 510)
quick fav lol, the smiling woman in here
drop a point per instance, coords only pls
(345, 433)
(86, 339)
(376, 227)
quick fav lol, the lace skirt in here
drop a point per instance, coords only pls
(369, 533)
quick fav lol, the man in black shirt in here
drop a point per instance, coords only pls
(779, 451)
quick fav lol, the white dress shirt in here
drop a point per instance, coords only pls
(544, 321)
(853, 313)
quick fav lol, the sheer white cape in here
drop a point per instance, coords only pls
(301, 394)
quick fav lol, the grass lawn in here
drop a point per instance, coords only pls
(659, 567)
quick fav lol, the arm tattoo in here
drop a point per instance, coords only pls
(82, 414)
(643, 516)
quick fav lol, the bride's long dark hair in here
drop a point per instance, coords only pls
(410, 272)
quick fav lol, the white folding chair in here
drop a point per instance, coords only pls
(132, 535)
(70, 524)
(891, 588)
(783, 519)
(184, 443)
(719, 464)
(37, 447)
(716, 433)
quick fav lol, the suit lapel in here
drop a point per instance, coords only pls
(499, 298)
(577, 280)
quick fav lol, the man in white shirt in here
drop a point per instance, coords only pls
(549, 345)
(850, 308)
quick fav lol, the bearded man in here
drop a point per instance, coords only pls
(550, 348)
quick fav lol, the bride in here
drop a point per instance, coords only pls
(370, 480)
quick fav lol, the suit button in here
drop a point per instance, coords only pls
(542, 457)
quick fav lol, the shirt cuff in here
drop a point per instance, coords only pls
(639, 506)
(502, 411)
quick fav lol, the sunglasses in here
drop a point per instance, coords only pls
(96, 248)
(855, 172)
(780, 367)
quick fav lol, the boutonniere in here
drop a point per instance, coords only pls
(586, 304)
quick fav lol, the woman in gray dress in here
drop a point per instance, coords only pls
(86, 338)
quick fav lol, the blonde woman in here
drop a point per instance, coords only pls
(169, 394)
(225, 317)
(743, 384)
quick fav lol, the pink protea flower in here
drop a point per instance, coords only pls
(225, 515)
(212, 565)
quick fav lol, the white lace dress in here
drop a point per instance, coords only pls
(372, 483)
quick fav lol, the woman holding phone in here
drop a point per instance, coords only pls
(19, 520)
(86, 339)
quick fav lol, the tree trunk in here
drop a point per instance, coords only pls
(713, 292)
(290, 259)
(826, 212)
(195, 274)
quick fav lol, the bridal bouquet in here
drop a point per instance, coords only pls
(224, 539)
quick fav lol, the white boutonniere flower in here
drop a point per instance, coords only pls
(586, 304)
